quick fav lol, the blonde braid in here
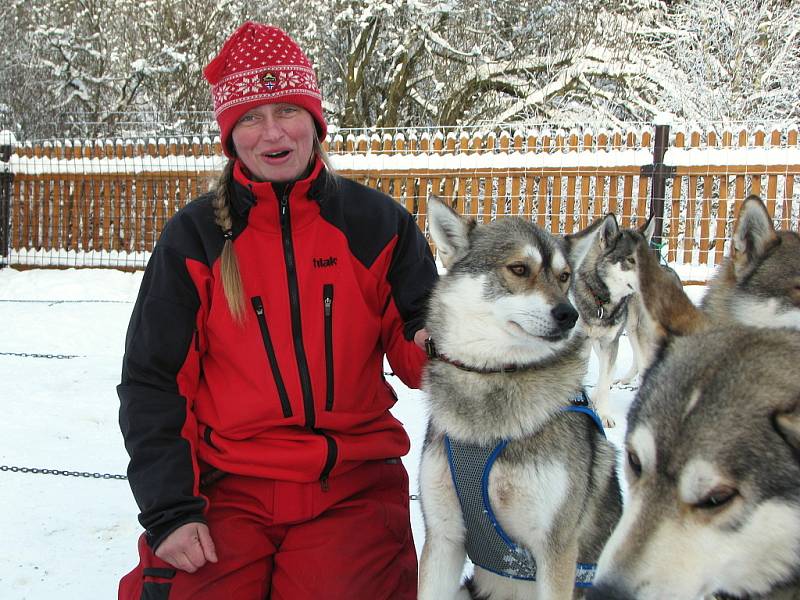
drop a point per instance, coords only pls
(229, 265)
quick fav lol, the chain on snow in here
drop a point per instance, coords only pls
(30, 355)
(36, 471)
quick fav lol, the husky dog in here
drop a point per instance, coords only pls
(642, 333)
(508, 362)
(713, 474)
(604, 295)
(760, 283)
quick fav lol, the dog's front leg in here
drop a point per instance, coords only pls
(607, 355)
(444, 553)
(557, 569)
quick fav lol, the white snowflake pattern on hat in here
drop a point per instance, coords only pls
(249, 85)
(221, 93)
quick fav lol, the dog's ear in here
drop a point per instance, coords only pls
(608, 231)
(648, 229)
(449, 231)
(753, 235)
(579, 243)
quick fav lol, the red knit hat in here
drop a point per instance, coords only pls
(259, 65)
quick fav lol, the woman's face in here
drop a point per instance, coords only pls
(275, 141)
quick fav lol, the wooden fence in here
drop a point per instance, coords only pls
(104, 203)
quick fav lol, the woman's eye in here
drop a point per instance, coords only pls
(519, 270)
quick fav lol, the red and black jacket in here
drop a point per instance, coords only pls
(335, 276)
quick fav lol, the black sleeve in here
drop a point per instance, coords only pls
(156, 420)
(412, 274)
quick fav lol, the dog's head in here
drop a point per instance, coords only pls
(765, 266)
(713, 472)
(612, 255)
(504, 298)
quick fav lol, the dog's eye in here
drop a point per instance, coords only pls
(634, 463)
(717, 497)
(519, 269)
(564, 277)
(631, 260)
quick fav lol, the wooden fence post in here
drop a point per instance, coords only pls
(6, 178)
(659, 172)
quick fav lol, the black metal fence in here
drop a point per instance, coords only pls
(6, 178)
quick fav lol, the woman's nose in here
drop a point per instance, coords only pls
(270, 128)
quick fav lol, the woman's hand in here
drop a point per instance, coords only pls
(188, 548)
(420, 337)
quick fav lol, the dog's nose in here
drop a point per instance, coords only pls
(565, 315)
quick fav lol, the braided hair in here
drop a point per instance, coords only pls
(229, 265)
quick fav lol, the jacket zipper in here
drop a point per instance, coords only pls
(333, 452)
(327, 302)
(297, 334)
(258, 306)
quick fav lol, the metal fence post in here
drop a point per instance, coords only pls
(6, 178)
(659, 172)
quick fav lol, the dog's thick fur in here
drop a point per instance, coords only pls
(713, 471)
(759, 284)
(713, 456)
(504, 300)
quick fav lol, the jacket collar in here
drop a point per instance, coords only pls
(259, 203)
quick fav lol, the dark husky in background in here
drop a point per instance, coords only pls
(509, 359)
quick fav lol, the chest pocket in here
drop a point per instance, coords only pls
(327, 312)
(258, 307)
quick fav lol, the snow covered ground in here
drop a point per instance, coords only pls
(61, 347)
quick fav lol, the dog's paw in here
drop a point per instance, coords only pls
(608, 422)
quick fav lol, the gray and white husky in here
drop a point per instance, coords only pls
(713, 461)
(759, 284)
(605, 297)
(507, 474)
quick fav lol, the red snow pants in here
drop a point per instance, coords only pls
(295, 541)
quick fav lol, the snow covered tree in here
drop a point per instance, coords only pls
(741, 59)
(434, 62)
(81, 67)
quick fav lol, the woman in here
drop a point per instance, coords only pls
(264, 458)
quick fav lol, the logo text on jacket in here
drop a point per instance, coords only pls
(325, 262)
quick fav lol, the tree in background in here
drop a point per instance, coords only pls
(741, 59)
(114, 67)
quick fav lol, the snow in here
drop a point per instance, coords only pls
(7, 138)
(73, 537)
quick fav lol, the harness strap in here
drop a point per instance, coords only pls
(487, 543)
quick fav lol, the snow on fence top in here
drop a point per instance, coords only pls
(440, 150)
(83, 201)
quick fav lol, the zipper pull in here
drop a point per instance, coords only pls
(328, 303)
(284, 205)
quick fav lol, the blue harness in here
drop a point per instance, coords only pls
(487, 543)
